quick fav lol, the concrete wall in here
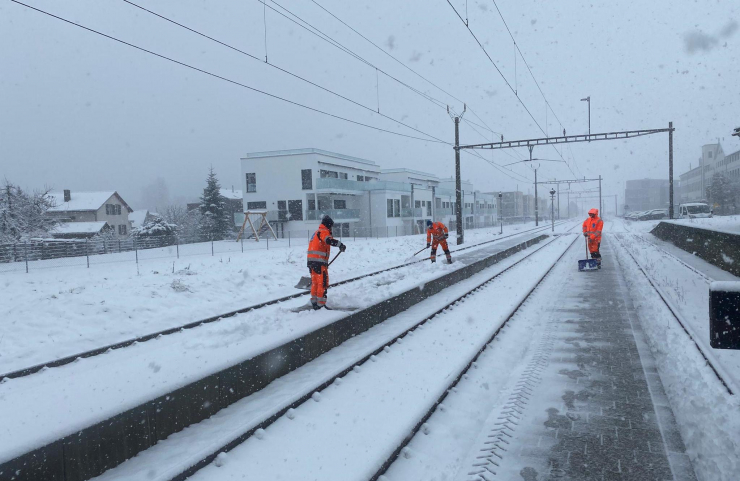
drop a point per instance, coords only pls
(718, 248)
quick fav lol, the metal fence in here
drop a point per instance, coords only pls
(53, 253)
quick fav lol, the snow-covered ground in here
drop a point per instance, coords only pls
(709, 418)
(181, 450)
(62, 400)
(52, 313)
(729, 223)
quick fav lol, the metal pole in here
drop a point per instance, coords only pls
(670, 171)
(177, 246)
(601, 213)
(558, 201)
(589, 115)
(536, 201)
(136, 251)
(458, 186)
(87, 252)
(212, 245)
(568, 203)
(25, 248)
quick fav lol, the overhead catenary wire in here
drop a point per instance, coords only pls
(283, 70)
(225, 79)
(508, 84)
(516, 46)
(401, 63)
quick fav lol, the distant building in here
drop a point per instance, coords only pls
(234, 201)
(512, 205)
(107, 207)
(298, 187)
(140, 217)
(693, 184)
(646, 194)
(80, 230)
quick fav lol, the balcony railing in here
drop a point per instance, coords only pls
(328, 183)
(336, 214)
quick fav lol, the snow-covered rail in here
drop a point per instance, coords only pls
(716, 368)
(154, 389)
(147, 337)
(182, 455)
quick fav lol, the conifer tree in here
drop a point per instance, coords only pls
(215, 224)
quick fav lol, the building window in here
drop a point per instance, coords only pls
(396, 208)
(122, 229)
(282, 210)
(389, 209)
(328, 174)
(417, 204)
(360, 178)
(112, 209)
(710, 154)
(252, 182)
(342, 175)
(307, 179)
(256, 205)
(295, 209)
(340, 204)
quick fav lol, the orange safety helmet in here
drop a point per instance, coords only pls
(593, 211)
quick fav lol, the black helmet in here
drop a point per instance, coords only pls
(327, 221)
(429, 223)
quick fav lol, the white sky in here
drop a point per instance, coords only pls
(80, 111)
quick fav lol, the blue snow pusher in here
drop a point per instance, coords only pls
(587, 264)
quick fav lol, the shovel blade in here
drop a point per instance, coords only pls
(304, 283)
(587, 265)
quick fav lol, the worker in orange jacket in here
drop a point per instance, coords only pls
(318, 261)
(592, 228)
(437, 234)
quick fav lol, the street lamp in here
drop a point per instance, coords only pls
(588, 99)
(501, 211)
(552, 208)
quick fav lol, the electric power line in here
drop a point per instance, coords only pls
(234, 82)
(277, 67)
(505, 80)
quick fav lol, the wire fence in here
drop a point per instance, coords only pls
(53, 253)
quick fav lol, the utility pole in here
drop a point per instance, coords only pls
(670, 171)
(458, 182)
(558, 201)
(568, 202)
(588, 99)
(552, 208)
(600, 206)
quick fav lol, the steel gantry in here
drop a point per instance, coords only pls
(565, 139)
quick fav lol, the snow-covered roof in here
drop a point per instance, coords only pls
(232, 194)
(81, 201)
(694, 203)
(138, 217)
(79, 227)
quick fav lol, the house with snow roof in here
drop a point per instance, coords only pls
(106, 206)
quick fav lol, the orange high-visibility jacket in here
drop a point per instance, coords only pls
(438, 231)
(593, 227)
(320, 245)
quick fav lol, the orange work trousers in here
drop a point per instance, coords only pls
(593, 247)
(443, 244)
(319, 283)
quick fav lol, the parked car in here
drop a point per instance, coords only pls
(693, 210)
(654, 214)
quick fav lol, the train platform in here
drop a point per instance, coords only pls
(590, 405)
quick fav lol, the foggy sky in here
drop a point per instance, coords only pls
(80, 111)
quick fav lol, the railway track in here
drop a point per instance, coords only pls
(354, 365)
(173, 330)
(717, 370)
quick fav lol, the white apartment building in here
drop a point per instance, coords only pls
(298, 187)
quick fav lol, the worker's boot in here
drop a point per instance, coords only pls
(449, 257)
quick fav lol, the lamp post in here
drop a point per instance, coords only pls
(552, 208)
(588, 99)
(501, 211)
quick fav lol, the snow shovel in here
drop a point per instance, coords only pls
(412, 257)
(587, 264)
(305, 282)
